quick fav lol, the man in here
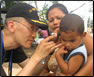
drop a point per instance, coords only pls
(22, 22)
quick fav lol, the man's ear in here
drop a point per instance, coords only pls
(11, 26)
(84, 34)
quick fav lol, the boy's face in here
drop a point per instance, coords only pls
(70, 40)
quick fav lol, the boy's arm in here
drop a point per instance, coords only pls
(72, 66)
(87, 70)
(62, 64)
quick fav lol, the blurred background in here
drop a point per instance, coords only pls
(82, 8)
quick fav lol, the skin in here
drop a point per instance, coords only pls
(88, 41)
(17, 30)
(53, 21)
(54, 26)
(21, 33)
(54, 18)
(71, 40)
(87, 70)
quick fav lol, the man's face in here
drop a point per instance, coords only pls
(24, 33)
(70, 40)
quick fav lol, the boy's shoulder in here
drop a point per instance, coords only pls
(81, 51)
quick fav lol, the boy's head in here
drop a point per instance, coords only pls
(71, 31)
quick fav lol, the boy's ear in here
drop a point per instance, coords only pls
(84, 34)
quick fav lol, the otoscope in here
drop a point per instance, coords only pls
(49, 34)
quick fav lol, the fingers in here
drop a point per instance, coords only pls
(61, 51)
(53, 37)
(54, 47)
(62, 48)
(51, 42)
(50, 46)
(57, 30)
(64, 51)
(45, 47)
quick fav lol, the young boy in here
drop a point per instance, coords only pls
(72, 55)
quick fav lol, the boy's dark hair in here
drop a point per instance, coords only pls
(60, 6)
(72, 22)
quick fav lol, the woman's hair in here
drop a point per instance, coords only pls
(60, 6)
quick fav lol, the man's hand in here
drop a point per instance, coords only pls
(46, 46)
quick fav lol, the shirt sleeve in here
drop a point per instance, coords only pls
(80, 50)
(18, 55)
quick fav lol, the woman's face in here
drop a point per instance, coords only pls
(54, 17)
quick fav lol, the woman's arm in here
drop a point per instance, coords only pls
(87, 70)
(88, 41)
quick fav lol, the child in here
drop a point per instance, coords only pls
(72, 55)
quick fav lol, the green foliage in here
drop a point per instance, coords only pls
(42, 13)
(90, 23)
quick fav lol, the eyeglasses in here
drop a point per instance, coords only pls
(32, 28)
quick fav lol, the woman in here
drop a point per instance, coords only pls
(54, 15)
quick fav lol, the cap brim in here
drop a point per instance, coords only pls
(39, 24)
